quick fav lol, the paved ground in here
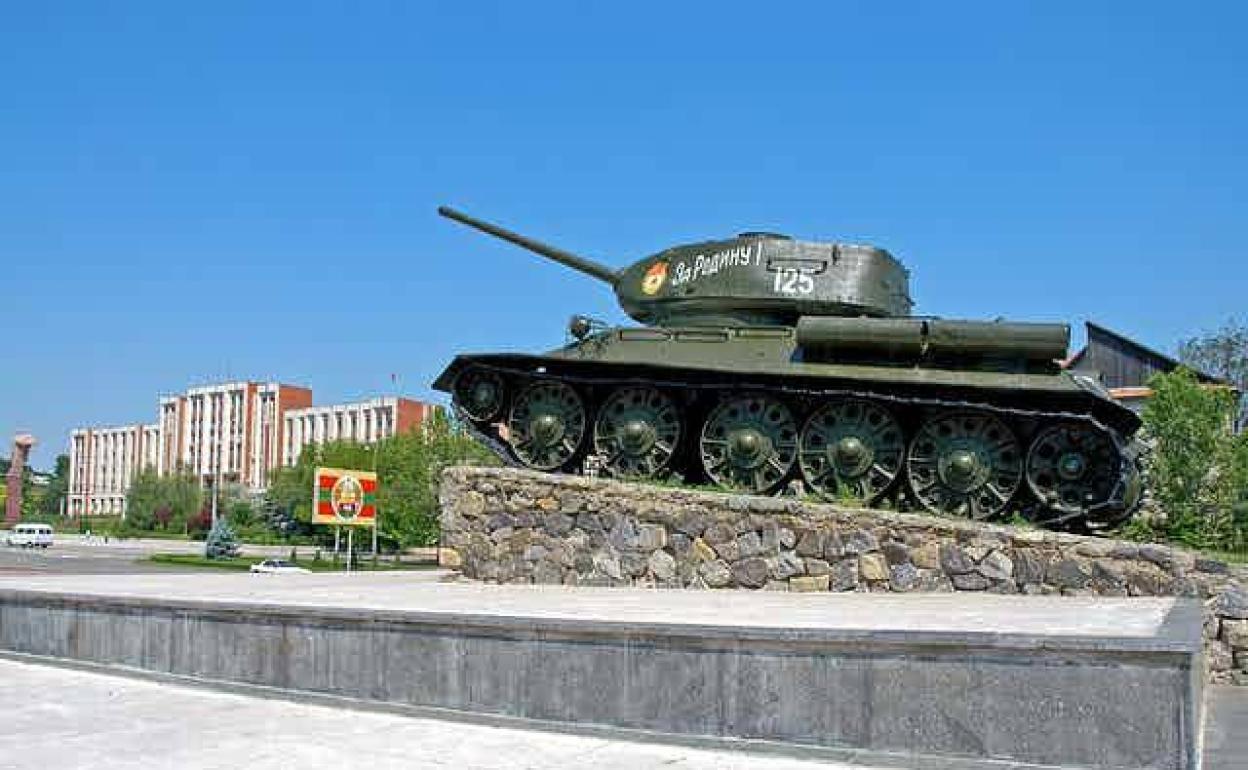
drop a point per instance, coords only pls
(1226, 728)
(1051, 617)
(60, 719)
(57, 719)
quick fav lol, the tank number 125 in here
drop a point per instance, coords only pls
(791, 281)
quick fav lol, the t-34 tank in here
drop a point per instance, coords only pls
(764, 360)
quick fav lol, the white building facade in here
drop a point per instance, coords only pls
(231, 433)
(228, 434)
(361, 421)
(102, 464)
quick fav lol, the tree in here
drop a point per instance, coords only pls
(199, 522)
(409, 466)
(1199, 468)
(40, 501)
(221, 542)
(1223, 353)
(167, 501)
(58, 488)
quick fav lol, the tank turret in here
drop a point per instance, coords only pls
(754, 278)
(766, 362)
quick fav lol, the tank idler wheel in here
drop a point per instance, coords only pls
(1072, 468)
(479, 392)
(546, 425)
(964, 463)
(749, 442)
(851, 447)
(636, 432)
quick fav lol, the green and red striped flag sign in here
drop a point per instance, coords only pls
(344, 498)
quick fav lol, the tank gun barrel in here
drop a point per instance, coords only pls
(587, 266)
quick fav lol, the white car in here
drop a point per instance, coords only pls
(30, 536)
(278, 567)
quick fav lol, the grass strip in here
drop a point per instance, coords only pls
(243, 563)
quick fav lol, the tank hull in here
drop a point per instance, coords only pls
(701, 385)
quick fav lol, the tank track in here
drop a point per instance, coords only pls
(947, 454)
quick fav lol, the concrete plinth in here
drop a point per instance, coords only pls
(1111, 683)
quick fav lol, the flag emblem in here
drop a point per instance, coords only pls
(344, 497)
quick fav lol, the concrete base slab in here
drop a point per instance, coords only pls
(1111, 683)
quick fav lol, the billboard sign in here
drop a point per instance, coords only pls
(344, 498)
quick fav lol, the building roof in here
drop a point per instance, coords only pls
(1164, 361)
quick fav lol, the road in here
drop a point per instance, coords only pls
(78, 555)
(79, 560)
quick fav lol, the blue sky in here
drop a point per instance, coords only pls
(195, 192)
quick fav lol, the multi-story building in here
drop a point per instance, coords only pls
(230, 433)
(103, 462)
(363, 421)
(233, 433)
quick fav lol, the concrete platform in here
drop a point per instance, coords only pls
(1111, 683)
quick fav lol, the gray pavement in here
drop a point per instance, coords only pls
(59, 719)
(64, 719)
(421, 592)
(1226, 728)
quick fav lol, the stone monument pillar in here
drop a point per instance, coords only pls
(22, 443)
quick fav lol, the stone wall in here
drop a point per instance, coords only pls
(512, 526)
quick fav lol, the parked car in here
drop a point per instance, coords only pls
(30, 536)
(278, 567)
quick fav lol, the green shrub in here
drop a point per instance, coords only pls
(1198, 471)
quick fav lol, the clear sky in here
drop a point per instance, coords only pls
(191, 192)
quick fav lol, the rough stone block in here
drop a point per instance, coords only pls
(873, 567)
(716, 574)
(954, 560)
(970, 581)
(996, 566)
(845, 575)
(662, 565)
(748, 545)
(811, 542)
(903, 577)
(927, 555)
(751, 573)
(450, 558)
(807, 583)
(720, 532)
(1232, 602)
(1235, 633)
(701, 551)
(1069, 573)
(895, 553)
(608, 564)
(728, 550)
(861, 541)
(833, 548)
(818, 567)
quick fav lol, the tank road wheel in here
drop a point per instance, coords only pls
(1072, 468)
(479, 392)
(851, 447)
(964, 463)
(749, 442)
(636, 432)
(546, 425)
